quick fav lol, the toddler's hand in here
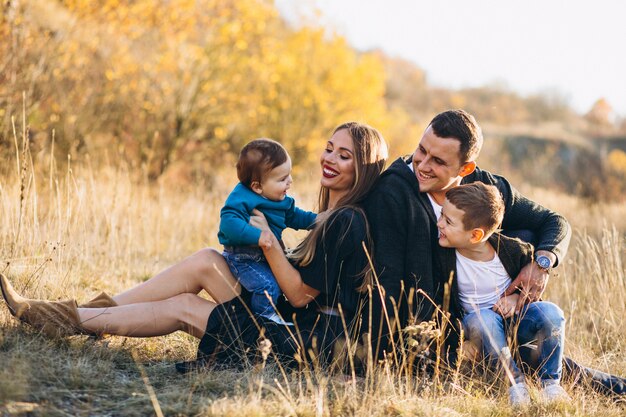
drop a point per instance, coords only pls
(265, 240)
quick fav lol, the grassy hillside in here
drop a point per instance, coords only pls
(132, 117)
(70, 234)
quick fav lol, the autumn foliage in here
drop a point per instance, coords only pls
(174, 88)
(184, 80)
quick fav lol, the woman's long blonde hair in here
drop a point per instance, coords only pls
(370, 155)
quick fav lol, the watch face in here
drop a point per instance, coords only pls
(543, 262)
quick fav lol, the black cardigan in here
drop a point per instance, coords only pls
(404, 230)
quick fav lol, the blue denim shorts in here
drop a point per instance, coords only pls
(249, 266)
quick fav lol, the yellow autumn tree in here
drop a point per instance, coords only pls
(600, 118)
(158, 81)
(617, 161)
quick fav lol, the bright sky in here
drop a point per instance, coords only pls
(576, 49)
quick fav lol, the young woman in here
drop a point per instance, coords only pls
(329, 268)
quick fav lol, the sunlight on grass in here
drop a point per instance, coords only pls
(72, 233)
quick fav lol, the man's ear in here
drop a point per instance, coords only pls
(256, 187)
(467, 168)
(477, 235)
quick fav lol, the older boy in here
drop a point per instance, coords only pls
(485, 263)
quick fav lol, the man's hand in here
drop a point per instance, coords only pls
(506, 306)
(531, 282)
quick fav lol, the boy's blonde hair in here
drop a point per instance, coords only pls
(482, 204)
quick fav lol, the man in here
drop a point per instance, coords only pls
(403, 209)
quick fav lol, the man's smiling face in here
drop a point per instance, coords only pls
(437, 163)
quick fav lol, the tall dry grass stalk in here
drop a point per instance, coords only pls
(96, 229)
(73, 232)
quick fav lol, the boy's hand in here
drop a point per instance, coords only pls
(506, 306)
(265, 240)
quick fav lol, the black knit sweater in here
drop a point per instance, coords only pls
(404, 231)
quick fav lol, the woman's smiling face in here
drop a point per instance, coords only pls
(338, 163)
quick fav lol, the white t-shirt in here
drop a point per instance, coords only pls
(481, 284)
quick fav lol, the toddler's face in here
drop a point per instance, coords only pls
(275, 183)
(452, 233)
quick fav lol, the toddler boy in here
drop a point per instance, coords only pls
(264, 172)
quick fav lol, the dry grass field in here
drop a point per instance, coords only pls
(69, 233)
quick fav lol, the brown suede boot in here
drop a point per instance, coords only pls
(52, 318)
(103, 300)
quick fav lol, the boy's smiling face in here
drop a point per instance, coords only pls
(452, 232)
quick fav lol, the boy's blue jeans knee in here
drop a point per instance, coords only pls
(538, 333)
(250, 267)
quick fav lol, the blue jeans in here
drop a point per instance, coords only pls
(538, 332)
(253, 272)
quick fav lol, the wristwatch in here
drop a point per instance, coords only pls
(543, 262)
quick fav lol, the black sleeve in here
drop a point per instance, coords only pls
(526, 256)
(335, 253)
(389, 232)
(552, 230)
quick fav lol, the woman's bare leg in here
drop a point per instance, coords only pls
(186, 312)
(204, 270)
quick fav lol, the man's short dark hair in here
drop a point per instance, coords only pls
(482, 205)
(460, 125)
(258, 158)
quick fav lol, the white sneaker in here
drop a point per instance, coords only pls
(554, 392)
(519, 395)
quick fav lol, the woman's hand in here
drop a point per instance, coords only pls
(289, 280)
(258, 220)
(266, 240)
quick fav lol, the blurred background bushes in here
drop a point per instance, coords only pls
(176, 87)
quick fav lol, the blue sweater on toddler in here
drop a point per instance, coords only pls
(235, 215)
